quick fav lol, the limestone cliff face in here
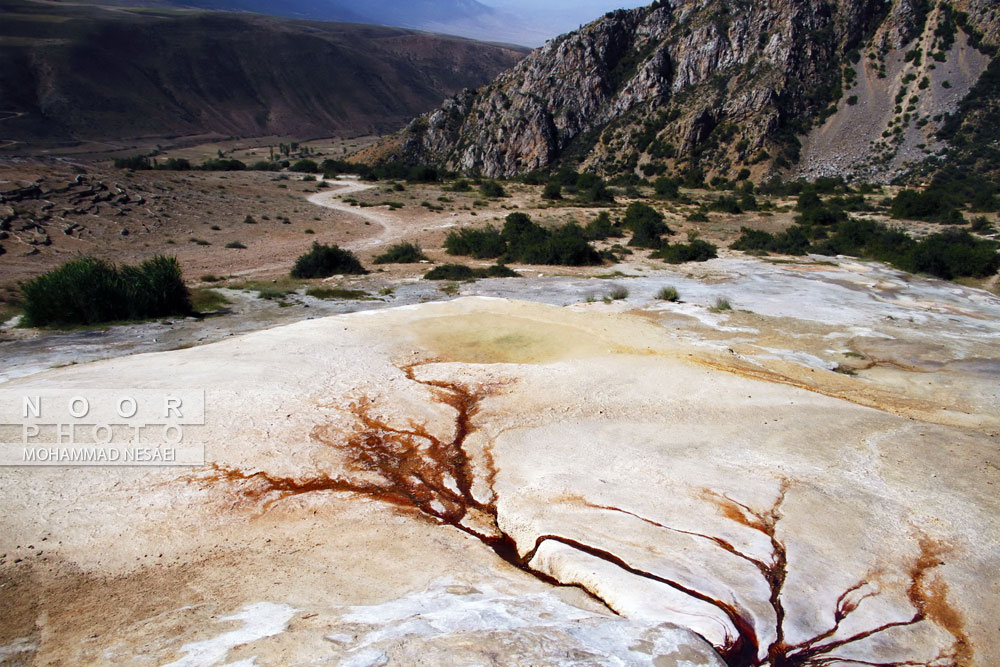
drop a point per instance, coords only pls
(706, 85)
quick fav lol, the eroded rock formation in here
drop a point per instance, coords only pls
(712, 87)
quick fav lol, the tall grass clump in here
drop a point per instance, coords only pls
(668, 293)
(323, 261)
(721, 305)
(618, 293)
(91, 291)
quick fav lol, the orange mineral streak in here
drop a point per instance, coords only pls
(414, 469)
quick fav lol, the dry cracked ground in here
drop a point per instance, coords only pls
(525, 475)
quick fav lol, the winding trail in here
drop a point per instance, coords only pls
(393, 227)
(10, 115)
(328, 199)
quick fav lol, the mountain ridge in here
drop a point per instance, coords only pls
(710, 88)
(78, 73)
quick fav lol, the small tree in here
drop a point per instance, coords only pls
(552, 191)
(667, 188)
(646, 224)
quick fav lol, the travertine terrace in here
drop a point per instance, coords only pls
(452, 481)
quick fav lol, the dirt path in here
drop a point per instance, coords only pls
(10, 115)
(394, 226)
(328, 199)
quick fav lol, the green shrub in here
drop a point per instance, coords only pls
(492, 189)
(601, 228)
(953, 254)
(552, 191)
(451, 272)
(401, 253)
(646, 225)
(307, 166)
(667, 188)
(948, 255)
(930, 206)
(618, 293)
(235, 245)
(423, 174)
(695, 251)
(486, 243)
(721, 304)
(264, 165)
(221, 164)
(534, 177)
(525, 241)
(753, 240)
(90, 291)
(323, 261)
(726, 204)
(591, 189)
(530, 243)
(981, 225)
(821, 215)
(501, 271)
(462, 272)
(808, 199)
(792, 241)
(668, 293)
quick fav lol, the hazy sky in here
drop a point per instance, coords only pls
(531, 22)
(567, 13)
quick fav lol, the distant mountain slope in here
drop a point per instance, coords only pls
(467, 18)
(71, 73)
(409, 14)
(716, 87)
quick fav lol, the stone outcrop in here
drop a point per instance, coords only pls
(716, 87)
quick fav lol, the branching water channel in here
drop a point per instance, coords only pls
(411, 467)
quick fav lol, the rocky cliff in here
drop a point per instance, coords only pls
(716, 87)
